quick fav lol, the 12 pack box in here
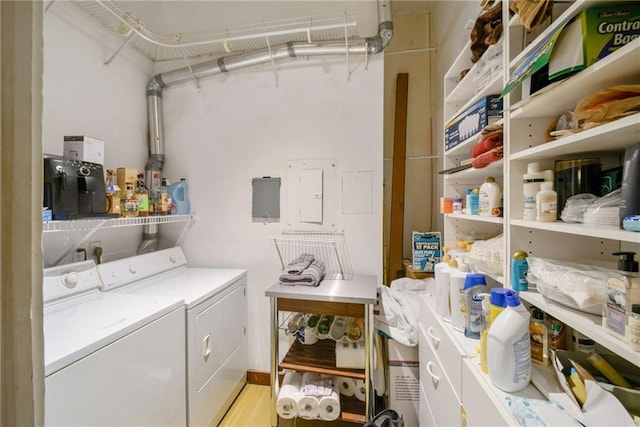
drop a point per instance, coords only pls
(426, 250)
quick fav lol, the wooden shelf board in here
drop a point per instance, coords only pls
(319, 357)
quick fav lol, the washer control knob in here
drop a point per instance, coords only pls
(173, 259)
(133, 269)
(70, 279)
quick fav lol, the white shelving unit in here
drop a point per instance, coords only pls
(526, 121)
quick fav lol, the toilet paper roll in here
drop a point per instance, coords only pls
(329, 406)
(289, 395)
(346, 386)
(308, 407)
(360, 391)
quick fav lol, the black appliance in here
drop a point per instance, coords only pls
(73, 189)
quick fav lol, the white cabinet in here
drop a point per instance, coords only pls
(526, 121)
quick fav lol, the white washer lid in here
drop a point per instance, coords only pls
(77, 327)
(193, 285)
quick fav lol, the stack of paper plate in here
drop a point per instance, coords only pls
(602, 215)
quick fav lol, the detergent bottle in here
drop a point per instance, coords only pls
(178, 192)
(442, 271)
(509, 347)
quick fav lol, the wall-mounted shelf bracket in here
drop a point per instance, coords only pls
(126, 41)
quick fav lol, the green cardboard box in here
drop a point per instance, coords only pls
(590, 36)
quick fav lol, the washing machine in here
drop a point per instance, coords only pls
(216, 319)
(109, 358)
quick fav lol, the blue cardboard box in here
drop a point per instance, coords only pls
(472, 121)
(426, 250)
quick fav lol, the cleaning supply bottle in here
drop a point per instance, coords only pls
(519, 267)
(509, 347)
(530, 186)
(629, 194)
(490, 198)
(456, 293)
(442, 272)
(178, 192)
(485, 321)
(546, 203)
(623, 292)
(474, 284)
(539, 335)
(497, 303)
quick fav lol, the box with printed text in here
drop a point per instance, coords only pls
(426, 250)
(84, 149)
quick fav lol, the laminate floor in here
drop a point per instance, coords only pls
(252, 408)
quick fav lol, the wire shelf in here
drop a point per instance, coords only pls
(331, 248)
(161, 46)
(93, 223)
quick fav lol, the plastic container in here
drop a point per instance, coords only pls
(629, 194)
(623, 292)
(539, 335)
(546, 203)
(442, 273)
(530, 186)
(576, 176)
(485, 323)
(509, 347)
(178, 192)
(457, 205)
(474, 285)
(456, 293)
(519, 267)
(497, 303)
(490, 198)
(473, 205)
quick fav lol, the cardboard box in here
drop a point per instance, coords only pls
(591, 36)
(125, 175)
(413, 274)
(426, 250)
(84, 149)
(404, 381)
(472, 121)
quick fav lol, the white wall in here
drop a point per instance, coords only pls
(237, 127)
(241, 126)
(448, 19)
(82, 96)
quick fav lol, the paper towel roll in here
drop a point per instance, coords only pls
(360, 391)
(347, 386)
(309, 379)
(329, 406)
(289, 395)
(308, 407)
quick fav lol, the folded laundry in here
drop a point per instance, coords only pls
(487, 143)
(310, 276)
(484, 159)
(300, 264)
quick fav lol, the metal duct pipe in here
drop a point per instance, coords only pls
(153, 168)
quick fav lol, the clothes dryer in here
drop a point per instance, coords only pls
(109, 358)
(215, 303)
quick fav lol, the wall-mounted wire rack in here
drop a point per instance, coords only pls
(161, 46)
(331, 248)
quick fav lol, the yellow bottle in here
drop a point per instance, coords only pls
(129, 201)
(485, 323)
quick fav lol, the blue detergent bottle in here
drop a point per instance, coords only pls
(179, 195)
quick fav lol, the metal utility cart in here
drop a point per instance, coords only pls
(340, 294)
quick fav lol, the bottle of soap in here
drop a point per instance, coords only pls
(490, 198)
(546, 203)
(530, 186)
(474, 285)
(519, 267)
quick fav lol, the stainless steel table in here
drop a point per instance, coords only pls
(354, 298)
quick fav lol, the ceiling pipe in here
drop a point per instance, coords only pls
(153, 168)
